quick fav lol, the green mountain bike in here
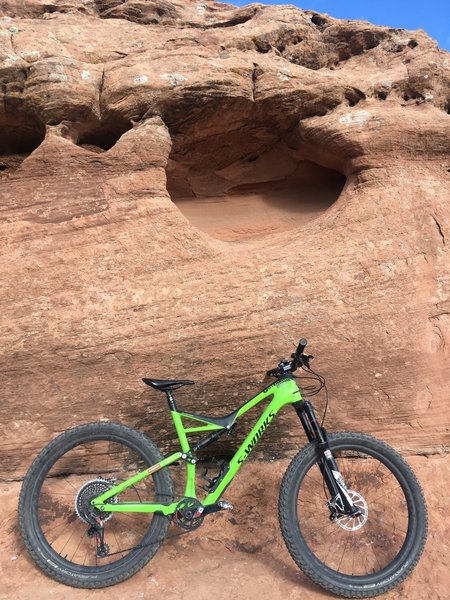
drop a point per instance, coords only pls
(96, 503)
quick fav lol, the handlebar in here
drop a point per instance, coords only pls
(288, 366)
(301, 346)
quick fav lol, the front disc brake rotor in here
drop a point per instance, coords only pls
(353, 523)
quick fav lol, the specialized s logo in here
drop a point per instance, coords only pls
(256, 437)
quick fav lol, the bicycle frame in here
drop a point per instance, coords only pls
(284, 391)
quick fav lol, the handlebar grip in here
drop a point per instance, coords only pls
(301, 346)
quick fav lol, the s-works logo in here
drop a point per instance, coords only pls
(256, 437)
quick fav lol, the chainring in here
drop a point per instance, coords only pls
(188, 514)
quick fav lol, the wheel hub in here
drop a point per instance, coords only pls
(87, 492)
(350, 523)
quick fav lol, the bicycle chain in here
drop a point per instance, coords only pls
(166, 537)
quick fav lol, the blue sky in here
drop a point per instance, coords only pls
(431, 15)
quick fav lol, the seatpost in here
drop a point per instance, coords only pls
(171, 400)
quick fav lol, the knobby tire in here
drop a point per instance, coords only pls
(53, 533)
(380, 554)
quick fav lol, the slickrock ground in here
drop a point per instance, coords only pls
(237, 555)
(189, 187)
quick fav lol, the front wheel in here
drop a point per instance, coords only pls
(367, 555)
(68, 538)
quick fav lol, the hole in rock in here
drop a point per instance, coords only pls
(50, 8)
(381, 94)
(101, 137)
(354, 96)
(18, 139)
(413, 95)
(247, 182)
(318, 20)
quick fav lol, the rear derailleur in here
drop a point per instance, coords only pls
(98, 532)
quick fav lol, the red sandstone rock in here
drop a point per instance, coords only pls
(173, 204)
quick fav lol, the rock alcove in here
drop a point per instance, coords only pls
(19, 138)
(243, 180)
(101, 136)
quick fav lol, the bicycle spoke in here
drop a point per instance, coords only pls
(343, 553)
(67, 517)
(364, 547)
(382, 495)
(117, 543)
(77, 548)
(53, 528)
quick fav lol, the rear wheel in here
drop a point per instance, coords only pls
(59, 525)
(369, 554)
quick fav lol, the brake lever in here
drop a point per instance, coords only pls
(306, 359)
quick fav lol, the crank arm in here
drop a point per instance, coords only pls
(221, 505)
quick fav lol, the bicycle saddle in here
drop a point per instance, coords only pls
(164, 385)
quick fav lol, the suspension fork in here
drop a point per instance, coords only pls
(334, 481)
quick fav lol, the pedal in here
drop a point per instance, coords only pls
(218, 506)
(225, 505)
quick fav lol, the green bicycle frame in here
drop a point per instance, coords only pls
(284, 391)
